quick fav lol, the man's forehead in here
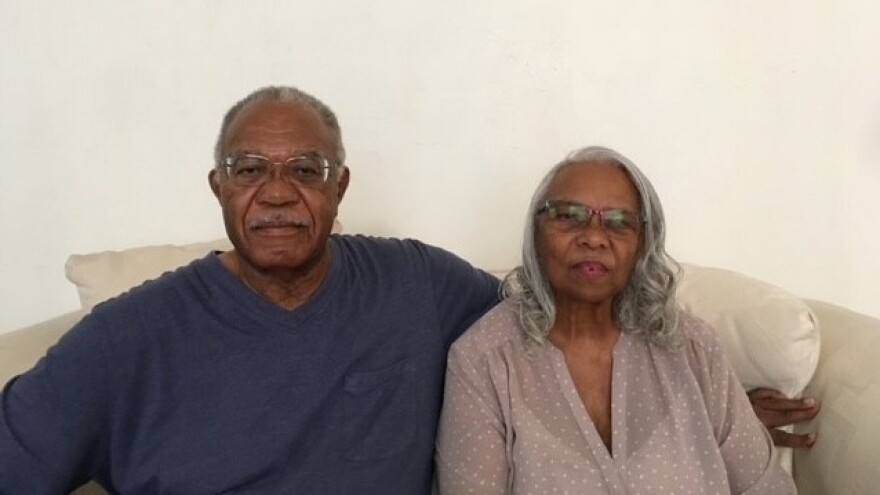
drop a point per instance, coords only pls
(275, 113)
(279, 119)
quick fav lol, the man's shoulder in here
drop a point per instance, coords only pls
(377, 244)
(161, 289)
(149, 312)
(392, 252)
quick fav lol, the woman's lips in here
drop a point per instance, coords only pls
(591, 270)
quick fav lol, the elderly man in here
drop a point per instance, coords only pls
(295, 363)
(298, 362)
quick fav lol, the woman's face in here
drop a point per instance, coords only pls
(586, 262)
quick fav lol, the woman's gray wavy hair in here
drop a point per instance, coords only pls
(286, 94)
(646, 306)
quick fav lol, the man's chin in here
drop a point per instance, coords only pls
(281, 258)
(278, 259)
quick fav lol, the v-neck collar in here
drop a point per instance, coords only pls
(608, 461)
(256, 308)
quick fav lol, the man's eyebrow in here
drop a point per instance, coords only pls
(244, 152)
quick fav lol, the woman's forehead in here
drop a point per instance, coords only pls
(596, 183)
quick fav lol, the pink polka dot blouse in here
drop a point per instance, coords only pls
(681, 422)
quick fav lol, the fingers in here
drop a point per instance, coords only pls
(798, 415)
(805, 403)
(774, 418)
(764, 393)
(774, 409)
(775, 401)
(785, 439)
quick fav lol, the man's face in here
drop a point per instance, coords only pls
(279, 225)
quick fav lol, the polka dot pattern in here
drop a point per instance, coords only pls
(681, 423)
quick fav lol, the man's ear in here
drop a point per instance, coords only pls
(342, 184)
(214, 182)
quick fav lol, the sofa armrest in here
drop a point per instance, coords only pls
(845, 457)
(21, 349)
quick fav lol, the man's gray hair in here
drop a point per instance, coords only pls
(646, 306)
(287, 94)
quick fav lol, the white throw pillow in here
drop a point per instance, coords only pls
(771, 336)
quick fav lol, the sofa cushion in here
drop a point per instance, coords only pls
(844, 459)
(771, 336)
(100, 276)
(20, 349)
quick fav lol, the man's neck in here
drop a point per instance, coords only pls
(286, 288)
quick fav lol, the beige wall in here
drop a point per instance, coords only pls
(759, 123)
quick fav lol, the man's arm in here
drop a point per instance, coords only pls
(51, 416)
(774, 409)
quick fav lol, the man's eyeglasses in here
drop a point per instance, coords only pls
(247, 170)
(568, 216)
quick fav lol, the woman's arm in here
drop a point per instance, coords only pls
(746, 447)
(472, 453)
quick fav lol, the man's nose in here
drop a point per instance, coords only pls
(278, 191)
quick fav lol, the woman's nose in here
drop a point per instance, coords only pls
(593, 234)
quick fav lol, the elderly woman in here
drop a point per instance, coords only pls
(588, 378)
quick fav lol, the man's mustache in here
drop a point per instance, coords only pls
(277, 220)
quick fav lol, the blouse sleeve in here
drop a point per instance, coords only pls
(471, 454)
(746, 447)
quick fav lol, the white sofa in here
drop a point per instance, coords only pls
(773, 339)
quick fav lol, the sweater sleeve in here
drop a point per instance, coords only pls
(51, 417)
(462, 293)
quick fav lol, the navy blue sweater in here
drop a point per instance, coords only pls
(194, 384)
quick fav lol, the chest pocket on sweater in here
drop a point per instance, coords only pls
(381, 408)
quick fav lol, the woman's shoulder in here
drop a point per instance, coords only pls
(697, 334)
(497, 328)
